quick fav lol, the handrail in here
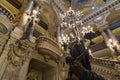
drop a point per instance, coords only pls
(47, 37)
(50, 48)
(104, 62)
(45, 42)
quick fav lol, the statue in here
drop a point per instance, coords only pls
(79, 64)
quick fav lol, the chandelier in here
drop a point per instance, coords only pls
(86, 30)
(71, 20)
(64, 40)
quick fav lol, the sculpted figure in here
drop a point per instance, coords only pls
(79, 64)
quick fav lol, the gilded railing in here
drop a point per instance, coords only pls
(104, 62)
(108, 68)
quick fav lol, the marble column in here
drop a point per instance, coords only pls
(3, 68)
(115, 42)
(59, 70)
(23, 22)
(29, 7)
(34, 19)
(24, 70)
(26, 15)
(105, 36)
(106, 39)
(111, 35)
(58, 33)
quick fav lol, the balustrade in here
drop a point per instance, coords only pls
(107, 68)
(103, 62)
(49, 46)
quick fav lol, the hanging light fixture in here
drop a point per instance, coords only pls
(71, 19)
(86, 30)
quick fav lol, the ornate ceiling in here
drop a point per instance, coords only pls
(50, 17)
(86, 6)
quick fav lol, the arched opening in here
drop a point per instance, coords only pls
(40, 71)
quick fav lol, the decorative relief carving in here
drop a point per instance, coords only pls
(19, 52)
(14, 59)
(46, 58)
(49, 49)
(32, 75)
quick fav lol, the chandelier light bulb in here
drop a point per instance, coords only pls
(110, 40)
(34, 12)
(81, 12)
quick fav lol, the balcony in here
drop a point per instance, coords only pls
(49, 47)
(109, 69)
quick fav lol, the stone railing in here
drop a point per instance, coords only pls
(102, 9)
(48, 46)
